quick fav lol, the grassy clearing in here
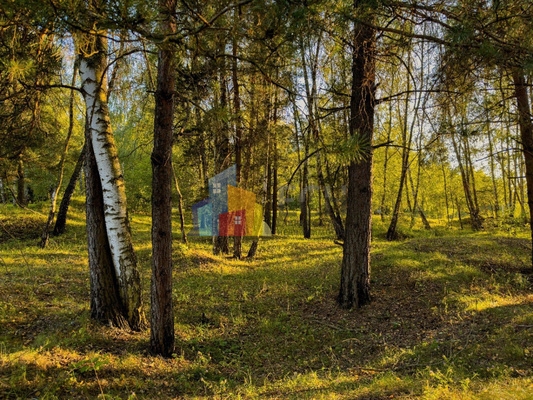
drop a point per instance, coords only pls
(452, 318)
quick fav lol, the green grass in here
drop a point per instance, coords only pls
(451, 318)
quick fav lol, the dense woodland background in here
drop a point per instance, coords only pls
(415, 115)
(447, 142)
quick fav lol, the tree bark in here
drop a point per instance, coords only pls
(180, 207)
(407, 135)
(274, 198)
(2, 192)
(493, 171)
(93, 66)
(162, 316)
(237, 240)
(106, 304)
(61, 168)
(355, 271)
(21, 183)
(222, 148)
(61, 219)
(471, 201)
(526, 135)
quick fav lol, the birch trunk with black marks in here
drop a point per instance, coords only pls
(93, 65)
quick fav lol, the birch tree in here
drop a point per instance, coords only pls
(99, 136)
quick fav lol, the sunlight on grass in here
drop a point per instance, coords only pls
(483, 301)
(452, 318)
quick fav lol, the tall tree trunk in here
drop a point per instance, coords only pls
(407, 135)
(355, 271)
(61, 167)
(493, 171)
(21, 183)
(335, 219)
(222, 148)
(237, 240)
(458, 205)
(180, 207)
(273, 227)
(511, 201)
(473, 209)
(268, 195)
(305, 212)
(526, 135)
(61, 220)
(106, 304)
(275, 171)
(312, 131)
(161, 311)
(2, 192)
(93, 67)
(386, 163)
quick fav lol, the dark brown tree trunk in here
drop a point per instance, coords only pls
(335, 219)
(2, 192)
(268, 195)
(237, 240)
(180, 207)
(61, 220)
(223, 151)
(162, 316)
(21, 183)
(526, 135)
(106, 306)
(305, 212)
(471, 202)
(407, 134)
(425, 221)
(274, 197)
(458, 205)
(61, 167)
(382, 207)
(253, 250)
(355, 272)
(493, 171)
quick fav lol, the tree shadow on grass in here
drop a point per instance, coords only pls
(258, 326)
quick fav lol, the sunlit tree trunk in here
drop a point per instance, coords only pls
(21, 183)
(93, 64)
(386, 161)
(355, 271)
(2, 192)
(407, 135)
(61, 220)
(462, 156)
(222, 142)
(237, 240)
(180, 207)
(61, 167)
(526, 135)
(161, 311)
(106, 304)
(493, 171)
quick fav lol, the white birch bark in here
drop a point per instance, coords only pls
(94, 88)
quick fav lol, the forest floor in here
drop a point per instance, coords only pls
(451, 318)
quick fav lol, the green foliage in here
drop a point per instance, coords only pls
(353, 149)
